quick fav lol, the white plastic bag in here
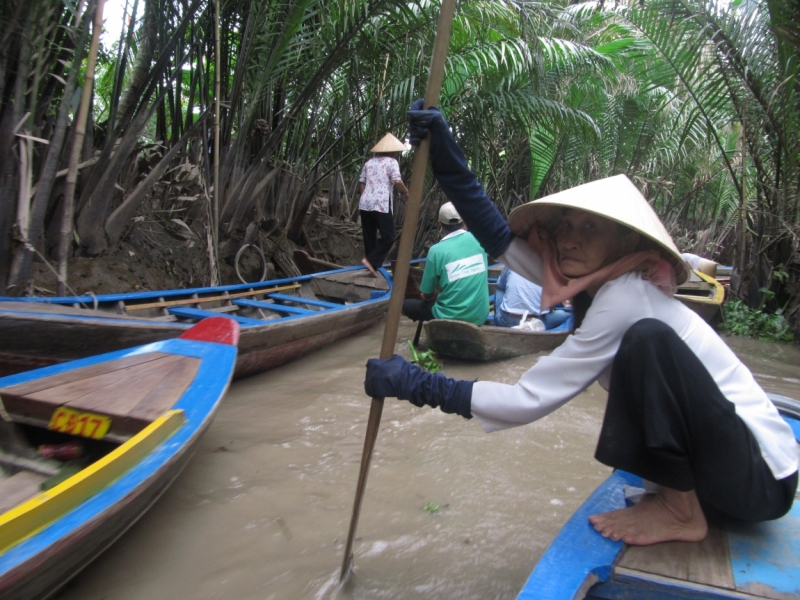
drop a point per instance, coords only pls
(532, 325)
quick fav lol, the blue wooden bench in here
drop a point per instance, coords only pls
(301, 300)
(290, 310)
(197, 313)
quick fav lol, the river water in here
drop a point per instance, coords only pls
(262, 510)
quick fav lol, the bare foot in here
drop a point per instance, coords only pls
(366, 263)
(667, 515)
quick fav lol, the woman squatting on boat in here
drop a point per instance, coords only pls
(683, 412)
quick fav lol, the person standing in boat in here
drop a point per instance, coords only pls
(379, 176)
(683, 412)
(458, 268)
(516, 296)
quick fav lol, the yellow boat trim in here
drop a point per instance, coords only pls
(33, 515)
(719, 291)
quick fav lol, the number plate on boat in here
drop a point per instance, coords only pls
(75, 422)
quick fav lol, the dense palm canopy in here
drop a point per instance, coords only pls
(695, 100)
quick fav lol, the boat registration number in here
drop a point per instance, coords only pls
(75, 422)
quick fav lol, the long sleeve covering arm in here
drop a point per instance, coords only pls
(463, 189)
(559, 377)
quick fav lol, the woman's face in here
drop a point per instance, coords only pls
(586, 242)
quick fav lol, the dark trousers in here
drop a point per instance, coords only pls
(418, 310)
(372, 223)
(668, 422)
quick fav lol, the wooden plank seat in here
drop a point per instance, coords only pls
(301, 300)
(198, 313)
(704, 563)
(131, 391)
(281, 308)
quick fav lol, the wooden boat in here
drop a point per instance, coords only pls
(465, 341)
(703, 294)
(136, 415)
(280, 319)
(741, 561)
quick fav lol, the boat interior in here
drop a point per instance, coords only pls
(247, 304)
(698, 287)
(54, 427)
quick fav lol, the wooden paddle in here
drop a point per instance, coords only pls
(400, 277)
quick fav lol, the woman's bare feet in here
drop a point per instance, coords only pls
(667, 515)
(366, 263)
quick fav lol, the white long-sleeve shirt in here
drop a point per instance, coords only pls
(587, 355)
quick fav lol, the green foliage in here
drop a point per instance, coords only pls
(424, 360)
(740, 319)
(433, 508)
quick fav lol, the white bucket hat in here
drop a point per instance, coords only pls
(448, 214)
(389, 143)
(615, 198)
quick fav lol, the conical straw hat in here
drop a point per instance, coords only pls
(614, 198)
(388, 143)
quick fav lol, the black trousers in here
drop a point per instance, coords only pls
(418, 310)
(668, 422)
(372, 223)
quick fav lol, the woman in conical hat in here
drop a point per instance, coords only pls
(379, 176)
(683, 412)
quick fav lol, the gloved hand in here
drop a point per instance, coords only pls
(457, 181)
(396, 378)
(421, 121)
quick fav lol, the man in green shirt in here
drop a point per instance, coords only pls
(457, 266)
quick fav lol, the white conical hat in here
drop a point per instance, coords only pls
(614, 198)
(388, 143)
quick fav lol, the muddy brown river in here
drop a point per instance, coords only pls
(262, 510)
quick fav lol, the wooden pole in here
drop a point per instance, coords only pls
(217, 187)
(400, 275)
(743, 202)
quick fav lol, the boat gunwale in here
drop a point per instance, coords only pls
(93, 299)
(716, 300)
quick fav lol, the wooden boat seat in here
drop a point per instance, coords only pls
(281, 308)
(705, 563)
(18, 488)
(132, 391)
(301, 300)
(198, 313)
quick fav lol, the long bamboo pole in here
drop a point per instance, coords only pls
(418, 170)
(77, 144)
(217, 187)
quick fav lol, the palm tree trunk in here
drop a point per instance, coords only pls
(77, 144)
(144, 56)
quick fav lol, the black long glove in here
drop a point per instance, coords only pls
(457, 181)
(396, 378)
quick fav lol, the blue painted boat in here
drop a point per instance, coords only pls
(737, 562)
(279, 319)
(124, 424)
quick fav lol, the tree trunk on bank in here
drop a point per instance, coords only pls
(23, 257)
(144, 56)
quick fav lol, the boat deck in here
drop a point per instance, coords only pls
(132, 392)
(731, 563)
